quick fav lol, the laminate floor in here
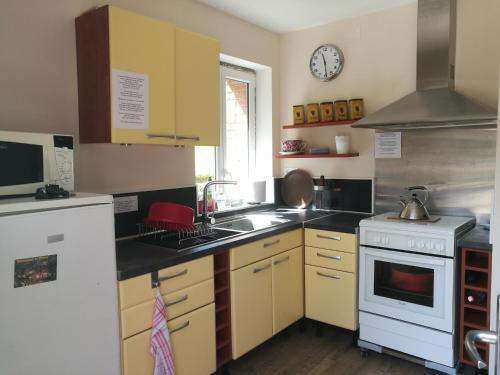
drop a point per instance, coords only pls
(301, 352)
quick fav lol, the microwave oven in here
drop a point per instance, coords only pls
(31, 160)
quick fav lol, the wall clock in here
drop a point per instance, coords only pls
(326, 62)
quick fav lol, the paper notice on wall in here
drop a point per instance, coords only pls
(130, 100)
(388, 145)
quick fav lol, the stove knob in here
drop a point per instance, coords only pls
(386, 240)
(429, 245)
(376, 239)
(411, 244)
(420, 245)
(440, 247)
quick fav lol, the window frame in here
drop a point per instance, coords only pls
(248, 76)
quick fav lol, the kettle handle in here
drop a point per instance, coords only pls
(423, 188)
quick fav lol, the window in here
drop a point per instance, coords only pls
(235, 158)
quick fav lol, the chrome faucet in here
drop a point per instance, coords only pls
(206, 214)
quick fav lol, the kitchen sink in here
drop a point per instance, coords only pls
(249, 223)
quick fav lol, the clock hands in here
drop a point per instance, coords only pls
(324, 62)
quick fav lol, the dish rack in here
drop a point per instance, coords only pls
(167, 234)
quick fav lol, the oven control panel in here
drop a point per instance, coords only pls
(416, 242)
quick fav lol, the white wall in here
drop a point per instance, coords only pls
(380, 54)
(38, 65)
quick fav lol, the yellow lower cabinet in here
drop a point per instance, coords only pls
(331, 297)
(288, 288)
(251, 306)
(136, 355)
(193, 342)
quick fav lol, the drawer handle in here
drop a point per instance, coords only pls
(336, 257)
(336, 238)
(257, 270)
(179, 300)
(181, 137)
(169, 136)
(182, 326)
(276, 262)
(330, 276)
(271, 243)
(180, 273)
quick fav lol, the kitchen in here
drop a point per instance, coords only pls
(379, 47)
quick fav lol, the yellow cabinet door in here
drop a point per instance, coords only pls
(288, 288)
(192, 337)
(193, 342)
(144, 45)
(197, 89)
(331, 297)
(251, 306)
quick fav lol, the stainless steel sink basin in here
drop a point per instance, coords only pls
(249, 223)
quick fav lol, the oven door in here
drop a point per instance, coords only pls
(414, 288)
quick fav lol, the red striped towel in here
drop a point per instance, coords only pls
(160, 339)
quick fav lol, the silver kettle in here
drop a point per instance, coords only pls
(414, 208)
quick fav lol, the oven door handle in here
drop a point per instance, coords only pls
(393, 255)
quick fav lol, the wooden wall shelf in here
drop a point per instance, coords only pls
(306, 156)
(475, 274)
(319, 124)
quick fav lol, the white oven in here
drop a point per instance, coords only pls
(410, 287)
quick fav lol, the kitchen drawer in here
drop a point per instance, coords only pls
(138, 289)
(138, 318)
(331, 297)
(192, 337)
(334, 259)
(265, 248)
(325, 239)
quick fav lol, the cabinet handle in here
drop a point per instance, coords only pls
(257, 270)
(276, 262)
(336, 257)
(271, 243)
(182, 326)
(179, 300)
(181, 137)
(169, 136)
(330, 276)
(336, 238)
(180, 273)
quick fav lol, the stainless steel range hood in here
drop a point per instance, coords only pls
(435, 104)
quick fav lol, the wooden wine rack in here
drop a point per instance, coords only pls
(222, 308)
(475, 278)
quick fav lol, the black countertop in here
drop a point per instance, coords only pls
(477, 238)
(340, 222)
(136, 258)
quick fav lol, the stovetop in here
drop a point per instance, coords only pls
(446, 225)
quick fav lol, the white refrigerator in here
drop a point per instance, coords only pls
(58, 287)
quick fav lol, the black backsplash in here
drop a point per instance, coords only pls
(126, 223)
(347, 194)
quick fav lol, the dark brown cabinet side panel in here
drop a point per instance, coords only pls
(92, 53)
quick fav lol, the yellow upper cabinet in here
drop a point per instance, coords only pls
(142, 81)
(197, 89)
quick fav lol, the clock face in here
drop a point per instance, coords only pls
(326, 62)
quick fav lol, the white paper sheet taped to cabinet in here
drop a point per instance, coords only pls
(388, 145)
(130, 100)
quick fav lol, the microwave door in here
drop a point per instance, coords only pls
(22, 167)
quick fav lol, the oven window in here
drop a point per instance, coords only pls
(404, 283)
(20, 163)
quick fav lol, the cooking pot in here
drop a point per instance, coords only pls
(411, 280)
(414, 208)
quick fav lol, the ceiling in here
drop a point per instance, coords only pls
(283, 16)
